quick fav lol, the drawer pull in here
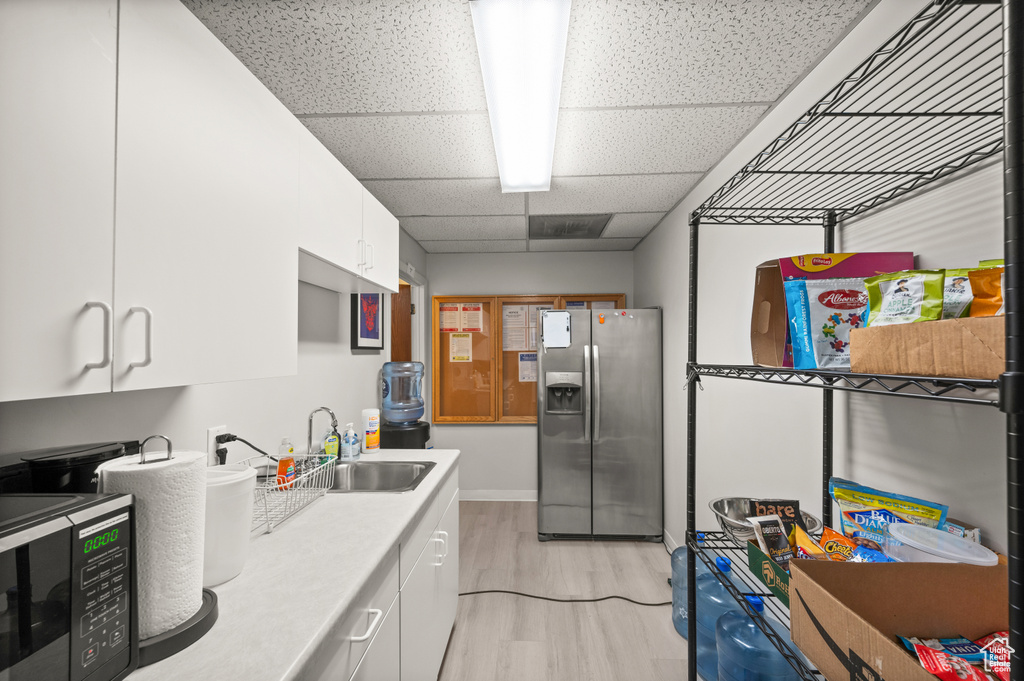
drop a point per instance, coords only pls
(439, 556)
(444, 542)
(372, 628)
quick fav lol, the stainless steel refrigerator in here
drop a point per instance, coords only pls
(599, 424)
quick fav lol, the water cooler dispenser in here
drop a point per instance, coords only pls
(402, 407)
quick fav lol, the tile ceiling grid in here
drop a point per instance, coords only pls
(655, 92)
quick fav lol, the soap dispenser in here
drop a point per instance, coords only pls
(349, 444)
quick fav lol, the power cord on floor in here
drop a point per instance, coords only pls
(562, 600)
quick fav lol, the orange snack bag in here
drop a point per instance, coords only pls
(987, 286)
(838, 546)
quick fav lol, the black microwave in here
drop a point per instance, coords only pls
(67, 569)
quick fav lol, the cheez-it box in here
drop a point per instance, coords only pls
(769, 321)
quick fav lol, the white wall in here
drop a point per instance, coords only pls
(262, 411)
(500, 461)
(770, 433)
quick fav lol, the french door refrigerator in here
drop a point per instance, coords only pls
(599, 425)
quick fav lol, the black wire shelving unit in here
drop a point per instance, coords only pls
(934, 100)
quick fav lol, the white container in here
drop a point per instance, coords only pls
(229, 499)
(371, 431)
(909, 543)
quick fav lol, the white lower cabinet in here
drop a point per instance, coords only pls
(381, 661)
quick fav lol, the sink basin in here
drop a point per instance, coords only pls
(380, 476)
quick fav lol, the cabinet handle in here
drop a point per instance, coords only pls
(372, 259)
(439, 556)
(149, 337)
(362, 253)
(372, 628)
(444, 542)
(107, 316)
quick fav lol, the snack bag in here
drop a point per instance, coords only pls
(821, 314)
(806, 547)
(947, 667)
(836, 545)
(960, 647)
(905, 297)
(865, 554)
(772, 539)
(866, 512)
(956, 294)
(987, 285)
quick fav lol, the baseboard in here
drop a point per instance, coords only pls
(497, 495)
(670, 543)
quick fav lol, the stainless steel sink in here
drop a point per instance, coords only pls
(380, 476)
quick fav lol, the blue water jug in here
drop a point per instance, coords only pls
(402, 401)
(679, 588)
(745, 653)
(713, 601)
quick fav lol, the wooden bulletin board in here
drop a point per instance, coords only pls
(496, 381)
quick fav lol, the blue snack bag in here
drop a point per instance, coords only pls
(821, 313)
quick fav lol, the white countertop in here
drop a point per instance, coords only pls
(302, 578)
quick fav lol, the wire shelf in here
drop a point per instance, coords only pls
(963, 390)
(275, 500)
(926, 104)
(711, 545)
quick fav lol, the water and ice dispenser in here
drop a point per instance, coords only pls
(565, 392)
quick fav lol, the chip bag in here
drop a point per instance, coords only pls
(806, 547)
(956, 294)
(821, 314)
(866, 512)
(987, 285)
(836, 545)
(905, 297)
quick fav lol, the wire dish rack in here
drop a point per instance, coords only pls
(275, 499)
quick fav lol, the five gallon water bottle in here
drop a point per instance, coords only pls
(401, 392)
(713, 601)
(745, 653)
(679, 588)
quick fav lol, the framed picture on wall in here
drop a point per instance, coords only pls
(367, 321)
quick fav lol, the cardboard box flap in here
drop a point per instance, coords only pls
(768, 323)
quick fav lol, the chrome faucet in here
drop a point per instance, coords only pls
(309, 431)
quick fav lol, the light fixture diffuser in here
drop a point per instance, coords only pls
(522, 49)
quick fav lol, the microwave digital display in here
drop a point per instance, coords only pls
(102, 540)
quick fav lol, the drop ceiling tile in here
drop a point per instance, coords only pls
(612, 194)
(650, 52)
(457, 145)
(334, 56)
(648, 140)
(631, 224)
(446, 197)
(507, 246)
(601, 244)
(465, 228)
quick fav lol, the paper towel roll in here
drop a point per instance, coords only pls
(170, 519)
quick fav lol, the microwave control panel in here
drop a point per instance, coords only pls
(101, 581)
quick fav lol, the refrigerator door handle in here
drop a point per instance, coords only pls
(597, 395)
(586, 393)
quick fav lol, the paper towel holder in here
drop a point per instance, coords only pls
(142, 449)
(175, 640)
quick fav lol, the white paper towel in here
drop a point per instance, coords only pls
(170, 519)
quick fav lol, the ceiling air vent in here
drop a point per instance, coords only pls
(568, 226)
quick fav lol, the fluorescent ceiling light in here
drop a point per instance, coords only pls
(522, 49)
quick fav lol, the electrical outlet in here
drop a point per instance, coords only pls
(211, 442)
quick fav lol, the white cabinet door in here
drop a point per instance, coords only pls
(448, 579)
(330, 206)
(206, 213)
(382, 660)
(422, 640)
(58, 88)
(380, 232)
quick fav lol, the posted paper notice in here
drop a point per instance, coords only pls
(602, 305)
(575, 305)
(460, 347)
(473, 317)
(514, 315)
(450, 317)
(514, 338)
(527, 367)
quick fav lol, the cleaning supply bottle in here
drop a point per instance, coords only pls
(371, 431)
(349, 444)
(331, 442)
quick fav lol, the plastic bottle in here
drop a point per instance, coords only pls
(285, 472)
(371, 431)
(679, 588)
(349, 444)
(331, 443)
(286, 449)
(713, 601)
(745, 653)
(401, 400)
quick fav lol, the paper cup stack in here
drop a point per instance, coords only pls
(170, 517)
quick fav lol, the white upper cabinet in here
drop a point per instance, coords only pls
(330, 207)
(58, 74)
(380, 237)
(207, 205)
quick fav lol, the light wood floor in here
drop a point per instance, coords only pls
(499, 636)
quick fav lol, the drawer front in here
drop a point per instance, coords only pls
(382, 661)
(448, 492)
(338, 657)
(412, 546)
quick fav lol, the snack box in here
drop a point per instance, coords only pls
(769, 320)
(845, 617)
(769, 572)
(969, 347)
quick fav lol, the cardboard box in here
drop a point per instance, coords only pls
(845, 617)
(973, 347)
(769, 572)
(769, 322)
